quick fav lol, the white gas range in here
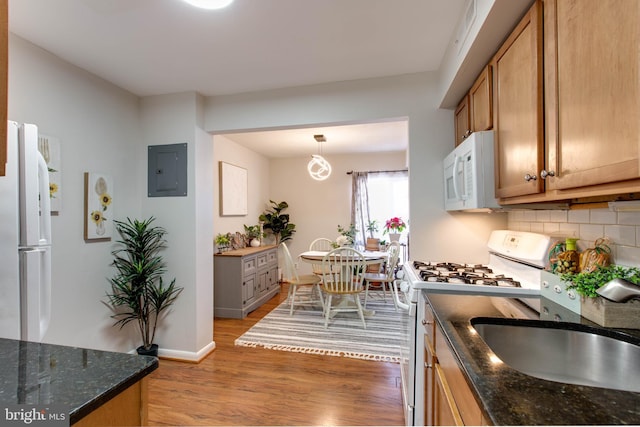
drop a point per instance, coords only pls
(516, 262)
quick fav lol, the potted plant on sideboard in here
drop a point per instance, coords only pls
(277, 222)
(254, 235)
(138, 293)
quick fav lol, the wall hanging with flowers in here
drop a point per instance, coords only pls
(98, 199)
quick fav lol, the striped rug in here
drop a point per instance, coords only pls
(304, 332)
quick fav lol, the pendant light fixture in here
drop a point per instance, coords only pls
(318, 167)
(209, 4)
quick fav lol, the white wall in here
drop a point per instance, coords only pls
(318, 207)
(435, 233)
(105, 129)
(98, 128)
(258, 179)
(187, 332)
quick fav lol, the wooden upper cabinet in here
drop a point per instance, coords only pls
(518, 109)
(462, 120)
(480, 100)
(4, 71)
(592, 90)
(475, 111)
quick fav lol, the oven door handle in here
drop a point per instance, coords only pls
(396, 296)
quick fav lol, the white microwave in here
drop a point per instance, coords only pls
(469, 174)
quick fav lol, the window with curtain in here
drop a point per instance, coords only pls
(379, 196)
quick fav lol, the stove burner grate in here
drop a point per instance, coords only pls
(471, 274)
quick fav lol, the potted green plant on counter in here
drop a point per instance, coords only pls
(277, 222)
(587, 282)
(222, 242)
(614, 313)
(254, 234)
(138, 293)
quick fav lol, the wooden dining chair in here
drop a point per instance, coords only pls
(320, 244)
(291, 276)
(384, 279)
(342, 277)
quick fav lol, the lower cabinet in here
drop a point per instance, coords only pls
(244, 279)
(449, 400)
(129, 408)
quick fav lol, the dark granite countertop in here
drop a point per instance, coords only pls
(80, 379)
(509, 397)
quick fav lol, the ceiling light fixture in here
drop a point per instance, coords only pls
(318, 167)
(209, 4)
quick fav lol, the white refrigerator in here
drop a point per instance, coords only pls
(25, 238)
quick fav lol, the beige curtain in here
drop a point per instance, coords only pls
(360, 206)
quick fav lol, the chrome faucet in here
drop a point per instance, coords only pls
(619, 290)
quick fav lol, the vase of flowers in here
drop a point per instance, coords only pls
(394, 227)
(346, 237)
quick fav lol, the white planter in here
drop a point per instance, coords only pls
(394, 237)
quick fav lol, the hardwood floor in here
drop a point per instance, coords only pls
(258, 387)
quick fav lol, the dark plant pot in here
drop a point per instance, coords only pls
(153, 351)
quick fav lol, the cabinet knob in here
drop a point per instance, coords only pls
(428, 365)
(544, 173)
(427, 322)
(529, 177)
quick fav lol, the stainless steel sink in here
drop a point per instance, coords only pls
(558, 352)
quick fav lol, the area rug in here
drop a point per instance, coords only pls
(304, 332)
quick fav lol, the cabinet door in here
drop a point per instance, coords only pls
(249, 288)
(429, 363)
(592, 90)
(480, 100)
(272, 278)
(518, 113)
(462, 120)
(263, 282)
(445, 412)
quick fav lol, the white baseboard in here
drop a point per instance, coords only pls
(187, 356)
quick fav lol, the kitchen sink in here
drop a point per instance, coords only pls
(564, 352)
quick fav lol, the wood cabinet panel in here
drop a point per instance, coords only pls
(518, 108)
(448, 397)
(445, 411)
(129, 408)
(462, 120)
(593, 91)
(462, 395)
(430, 361)
(481, 100)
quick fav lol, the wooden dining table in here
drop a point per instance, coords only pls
(370, 257)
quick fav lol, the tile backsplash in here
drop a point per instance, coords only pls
(622, 229)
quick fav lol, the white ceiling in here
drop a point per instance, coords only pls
(359, 138)
(154, 47)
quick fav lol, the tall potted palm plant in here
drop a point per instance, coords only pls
(138, 293)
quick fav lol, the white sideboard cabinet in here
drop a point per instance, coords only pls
(244, 279)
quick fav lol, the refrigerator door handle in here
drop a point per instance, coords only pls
(36, 293)
(35, 203)
(45, 202)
